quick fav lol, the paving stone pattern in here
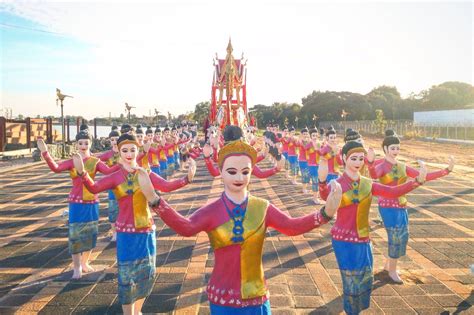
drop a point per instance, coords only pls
(301, 271)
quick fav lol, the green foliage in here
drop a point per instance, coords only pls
(380, 121)
(201, 112)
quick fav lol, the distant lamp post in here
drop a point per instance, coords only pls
(296, 120)
(344, 115)
(128, 108)
(315, 118)
(60, 97)
(157, 113)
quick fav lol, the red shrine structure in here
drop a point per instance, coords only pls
(229, 91)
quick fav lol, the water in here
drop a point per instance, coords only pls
(102, 131)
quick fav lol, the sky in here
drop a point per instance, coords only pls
(159, 54)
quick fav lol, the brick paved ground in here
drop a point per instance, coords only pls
(301, 271)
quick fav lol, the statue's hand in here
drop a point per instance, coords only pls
(145, 183)
(41, 145)
(334, 199)
(451, 162)
(370, 155)
(191, 170)
(323, 169)
(78, 164)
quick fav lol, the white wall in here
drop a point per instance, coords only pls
(459, 117)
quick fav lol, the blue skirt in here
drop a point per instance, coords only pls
(313, 175)
(395, 221)
(293, 160)
(263, 309)
(176, 161)
(155, 169)
(83, 227)
(163, 169)
(287, 164)
(304, 171)
(113, 210)
(170, 162)
(136, 259)
(355, 262)
(331, 177)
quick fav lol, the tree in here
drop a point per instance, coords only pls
(448, 95)
(201, 112)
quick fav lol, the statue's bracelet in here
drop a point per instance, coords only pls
(324, 214)
(155, 203)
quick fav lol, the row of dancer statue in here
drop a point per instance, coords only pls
(142, 163)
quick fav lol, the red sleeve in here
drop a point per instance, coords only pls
(259, 173)
(196, 223)
(167, 185)
(106, 183)
(212, 168)
(141, 155)
(194, 155)
(411, 172)
(55, 167)
(287, 225)
(260, 158)
(393, 191)
(104, 169)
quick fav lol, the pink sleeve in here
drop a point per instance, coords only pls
(154, 150)
(339, 158)
(393, 191)
(104, 156)
(167, 185)
(196, 223)
(104, 169)
(55, 167)
(375, 171)
(108, 182)
(411, 172)
(260, 158)
(212, 168)
(287, 225)
(259, 173)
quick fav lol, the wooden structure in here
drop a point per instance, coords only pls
(25, 132)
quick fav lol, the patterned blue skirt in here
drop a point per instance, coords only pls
(293, 160)
(136, 258)
(163, 169)
(313, 175)
(355, 262)
(113, 207)
(304, 171)
(263, 309)
(170, 164)
(83, 227)
(395, 221)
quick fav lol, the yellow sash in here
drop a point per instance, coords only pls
(90, 166)
(397, 174)
(362, 196)
(141, 212)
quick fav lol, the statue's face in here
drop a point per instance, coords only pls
(174, 133)
(157, 137)
(305, 135)
(149, 136)
(140, 137)
(236, 172)
(355, 161)
(83, 145)
(167, 133)
(113, 142)
(314, 136)
(128, 153)
(331, 139)
(393, 150)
